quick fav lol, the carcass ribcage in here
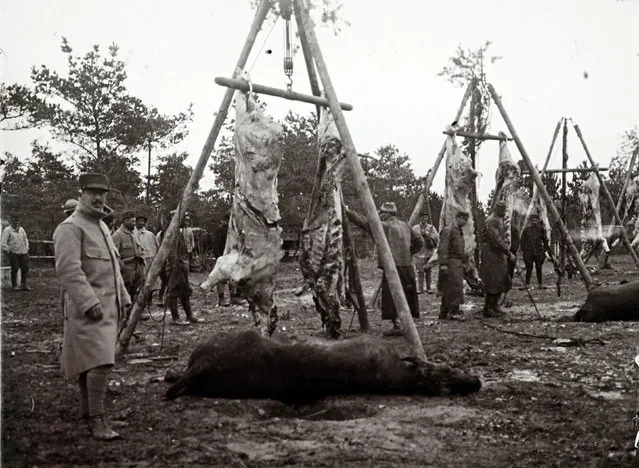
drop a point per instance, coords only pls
(321, 256)
(506, 177)
(592, 234)
(460, 177)
(252, 252)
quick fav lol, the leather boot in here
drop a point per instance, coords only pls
(496, 307)
(100, 428)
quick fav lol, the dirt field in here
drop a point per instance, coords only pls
(542, 404)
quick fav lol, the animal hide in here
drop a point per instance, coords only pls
(506, 186)
(321, 260)
(592, 235)
(246, 365)
(253, 245)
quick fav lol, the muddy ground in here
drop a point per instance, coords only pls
(542, 404)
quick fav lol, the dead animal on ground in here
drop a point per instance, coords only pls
(247, 365)
(611, 303)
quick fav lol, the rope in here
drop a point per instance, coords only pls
(259, 53)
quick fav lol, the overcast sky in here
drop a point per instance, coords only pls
(385, 64)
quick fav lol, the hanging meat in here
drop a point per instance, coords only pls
(506, 188)
(321, 260)
(460, 177)
(253, 246)
(592, 235)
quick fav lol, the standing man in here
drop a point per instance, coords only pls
(177, 274)
(431, 239)
(131, 254)
(534, 245)
(94, 296)
(150, 247)
(69, 206)
(16, 246)
(451, 266)
(403, 242)
(495, 255)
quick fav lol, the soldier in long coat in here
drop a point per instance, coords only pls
(94, 297)
(403, 243)
(495, 255)
(451, 266)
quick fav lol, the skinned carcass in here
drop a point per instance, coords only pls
(592, 234)
(611, 303)
(247, 365)
(506, 188)
(321, 260)
(253, 245)
(460, 178)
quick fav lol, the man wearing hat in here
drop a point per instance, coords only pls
(534, 245)
(15, 245)
(94, 298)
(131, 253)
(495, 255)
(69, 206)
(451, 254)
(431, 239)
(403, 242)
(150, 247)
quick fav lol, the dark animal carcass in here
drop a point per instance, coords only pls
(247, 365)
(609, 303)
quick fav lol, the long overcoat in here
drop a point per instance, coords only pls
(451, 253)
(494, 257)
(88, 270)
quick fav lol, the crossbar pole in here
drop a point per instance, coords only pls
(277, 92)
(576, 169)
(478, 136)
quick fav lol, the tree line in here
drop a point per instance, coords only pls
(89, 112)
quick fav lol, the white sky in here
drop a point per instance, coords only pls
(385, 64)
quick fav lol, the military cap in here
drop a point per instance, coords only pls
(142, 216)
(500, 204)
(462, 214)
(534, 215)
(95, 181)
(388, 207)
(128, 215)
(70, 205)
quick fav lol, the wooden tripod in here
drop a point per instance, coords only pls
(386, 259)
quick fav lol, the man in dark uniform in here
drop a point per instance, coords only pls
(403, 243)
(451, 266)
(177, 269)
(534, 245)
(495, 255)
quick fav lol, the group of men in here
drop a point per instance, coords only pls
(413, 248)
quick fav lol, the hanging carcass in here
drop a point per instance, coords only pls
(247, 365)
(460, 178)
(592, 237)
(506, 188)
(253, 246)
(321, 259)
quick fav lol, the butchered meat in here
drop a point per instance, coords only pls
(321, 258)
(253, 245)
(506, 188)
(460, 178)
(591, 235)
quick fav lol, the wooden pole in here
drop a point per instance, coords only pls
(442, 152)
(308, 58)
(626, 182)
(543, 171)
(569, 170)
(585, 275)
(277, 92)
(386, 258)
(472, 150)
(624, 235)
(169, 237)
(349, 247)
(564, 200)
(477, 136)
